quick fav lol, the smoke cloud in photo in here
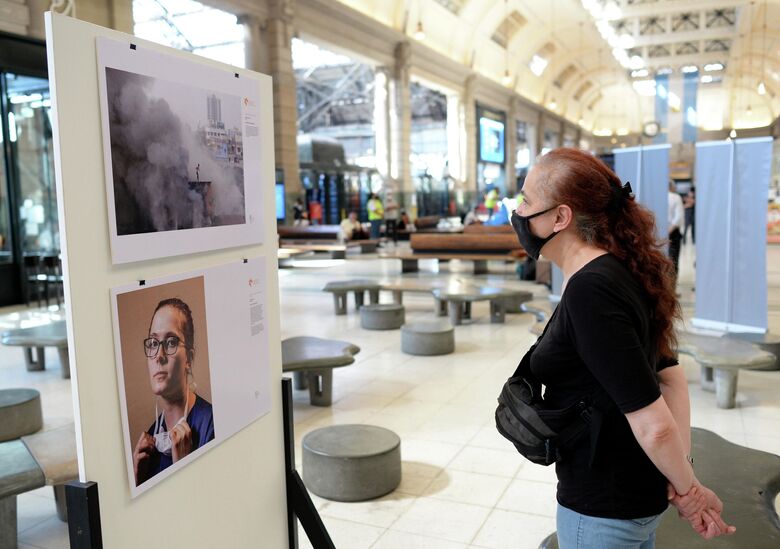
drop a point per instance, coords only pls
(177, 155)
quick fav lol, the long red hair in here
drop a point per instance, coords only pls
(618, 225)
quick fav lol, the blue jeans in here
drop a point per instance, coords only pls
(376, 225)
(577, 531)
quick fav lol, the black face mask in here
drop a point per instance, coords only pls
(529, 241)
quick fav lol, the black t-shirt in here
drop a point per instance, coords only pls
(600, 336)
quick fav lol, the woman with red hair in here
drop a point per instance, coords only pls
(612, 334)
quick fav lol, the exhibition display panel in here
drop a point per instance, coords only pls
(186, 314)
(732, 185)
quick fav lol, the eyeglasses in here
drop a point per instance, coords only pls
(152, 346)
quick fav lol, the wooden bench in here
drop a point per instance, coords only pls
(47, 458)
(746, 480)
(336, 249)
(501, 242)
(38, 338)
(724, 357)
(311, 361)
(309, 232)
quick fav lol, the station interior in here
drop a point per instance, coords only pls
(441, 109)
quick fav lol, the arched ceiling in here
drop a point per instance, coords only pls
(499, 36)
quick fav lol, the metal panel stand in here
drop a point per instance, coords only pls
(299, 503)
(83, 515)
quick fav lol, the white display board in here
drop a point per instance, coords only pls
(234, 494)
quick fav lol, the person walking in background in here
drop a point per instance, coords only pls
(392, 212)
(297, 212)
(376, 214)
(491, 199)
(676, 225)
(689, 202)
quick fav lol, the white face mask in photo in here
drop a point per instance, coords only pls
(162, 440)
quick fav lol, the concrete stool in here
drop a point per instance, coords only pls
(351, 462)
(55, 453)
(382, 317)
(767, 342)
(514, 303)
(460, 297)
(311, 360)
(428, 338)
(340, 290)
(20, 413)
(722, 358)
(39, 337)
(19, 473)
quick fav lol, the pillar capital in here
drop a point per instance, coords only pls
(252, 20)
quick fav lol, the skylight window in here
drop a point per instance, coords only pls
(537, 65)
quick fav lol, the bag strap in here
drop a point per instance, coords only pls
(524, 367)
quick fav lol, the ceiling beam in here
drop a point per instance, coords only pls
(686, 36)
(697, 59)
(675, 6)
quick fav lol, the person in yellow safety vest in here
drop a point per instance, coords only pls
(491, 199)
(376, 214)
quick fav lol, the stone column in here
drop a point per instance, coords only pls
(539, 135)
(456, 148)
(561, 132)
(400, 114)
(122, 15)
(269, 50)
(470, 134)
(383, 123)
(511, 145)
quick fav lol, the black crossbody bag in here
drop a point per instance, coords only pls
(542, 435)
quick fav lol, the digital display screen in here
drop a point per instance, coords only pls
(491, 140)
(280, 209)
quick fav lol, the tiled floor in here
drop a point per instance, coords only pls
(463, 485)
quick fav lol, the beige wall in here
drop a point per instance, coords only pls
(25, 17)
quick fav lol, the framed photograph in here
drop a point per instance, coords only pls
(191, 356)
(182, 153)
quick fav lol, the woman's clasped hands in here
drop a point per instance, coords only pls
(702, 508)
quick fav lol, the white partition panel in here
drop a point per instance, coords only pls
(732, 181)
(647, 168)
(233, 495)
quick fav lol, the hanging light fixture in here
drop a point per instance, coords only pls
(749, 110)
(733, 134)
(419, 33)
(507, 78)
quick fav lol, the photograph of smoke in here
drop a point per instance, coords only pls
(177, 154)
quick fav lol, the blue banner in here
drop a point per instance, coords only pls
(662, 107)
(690, 89)
(732, 183)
